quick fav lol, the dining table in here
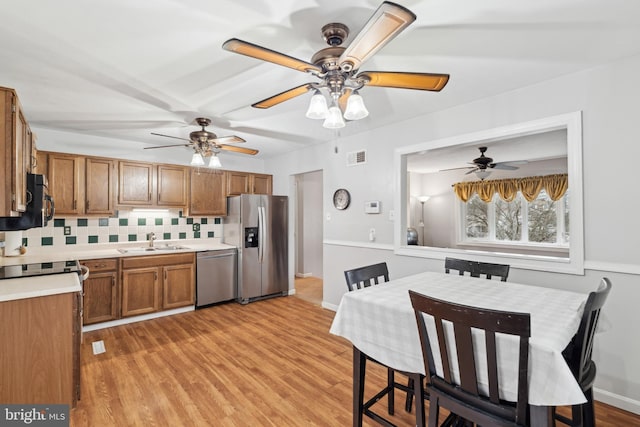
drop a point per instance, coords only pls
(380, 322)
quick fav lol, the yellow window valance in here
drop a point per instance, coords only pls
(555, 186)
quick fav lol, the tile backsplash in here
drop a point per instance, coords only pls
(126, 227)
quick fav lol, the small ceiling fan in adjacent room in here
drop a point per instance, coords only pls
(207, 144)
(482, 165)
(338, 67)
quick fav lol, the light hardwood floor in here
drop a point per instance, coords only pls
(309, 289)
(267, 363)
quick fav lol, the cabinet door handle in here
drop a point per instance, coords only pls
(155, 275)
(75, 202)
(87, 205)
(165, 275)
(113, 281)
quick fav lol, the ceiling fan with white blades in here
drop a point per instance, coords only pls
(338, 67)
(482, 165)
(207, 144)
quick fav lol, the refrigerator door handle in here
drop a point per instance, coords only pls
(261, 234)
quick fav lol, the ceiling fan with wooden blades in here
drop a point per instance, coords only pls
(207, 143)
(338, 67)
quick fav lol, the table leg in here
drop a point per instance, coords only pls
(359, 365)
(541, 416)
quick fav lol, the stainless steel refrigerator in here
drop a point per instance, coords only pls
(258, 226)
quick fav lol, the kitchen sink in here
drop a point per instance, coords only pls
(158, 248)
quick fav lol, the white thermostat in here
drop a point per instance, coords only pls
(372, 207)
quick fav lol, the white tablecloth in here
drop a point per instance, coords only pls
(380, 322)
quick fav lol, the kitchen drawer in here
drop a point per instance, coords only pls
(158, 260)
(96, 265)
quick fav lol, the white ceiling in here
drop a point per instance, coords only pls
(124, 68)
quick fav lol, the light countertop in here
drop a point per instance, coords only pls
(108, 250)
(38, 286)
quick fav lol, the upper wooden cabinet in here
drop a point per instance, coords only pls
(145, 184)
(208, 192)
(135, 183)
(15, 144)
(261, 183)
(99, 186)
(64, 173)
(248, 183)
(80, 185)
(172, 186)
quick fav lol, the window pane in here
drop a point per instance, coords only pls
(477, 220)
(508, 219)
(542, 219)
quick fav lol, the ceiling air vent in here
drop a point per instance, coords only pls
(357, 158)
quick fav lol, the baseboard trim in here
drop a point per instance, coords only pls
(303, 275)
(128, 320)
(616, 400)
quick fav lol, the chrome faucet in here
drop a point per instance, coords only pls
(151, 237)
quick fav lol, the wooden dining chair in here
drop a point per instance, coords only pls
(466, 399)
(363, 277)
(462, 266)
(366, 276)
(476, 269)
(578, 357)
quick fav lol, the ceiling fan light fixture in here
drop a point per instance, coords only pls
(334, 118)
(214, 161)
(197, 160)
(355, 107)
(318, 106)
(482, 173)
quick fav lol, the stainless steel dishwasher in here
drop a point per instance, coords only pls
(216, 276)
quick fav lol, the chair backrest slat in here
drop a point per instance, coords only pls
(476, 269)
(366, 276)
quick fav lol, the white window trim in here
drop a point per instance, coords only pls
(574, 264)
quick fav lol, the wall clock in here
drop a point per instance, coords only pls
(341, 199)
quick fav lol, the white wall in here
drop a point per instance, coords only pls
(608, 96)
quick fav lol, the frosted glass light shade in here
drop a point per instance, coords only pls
(214, 162)
(355, 107)
(423, 199)
(317, 107)
(482, 173)
(197, 160)
(334, 118)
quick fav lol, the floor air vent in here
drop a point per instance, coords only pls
(357, 158)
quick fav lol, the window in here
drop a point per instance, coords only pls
(541, 222)
(519, 233)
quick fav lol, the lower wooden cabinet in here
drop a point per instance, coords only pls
(140, 291)
(157, 282)
(100, 291)
(131, 286)
(40, 361)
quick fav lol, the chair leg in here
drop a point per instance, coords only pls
(588, 412)
(434, 411)
(409, 401)
(359, 366)
(390, 394)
